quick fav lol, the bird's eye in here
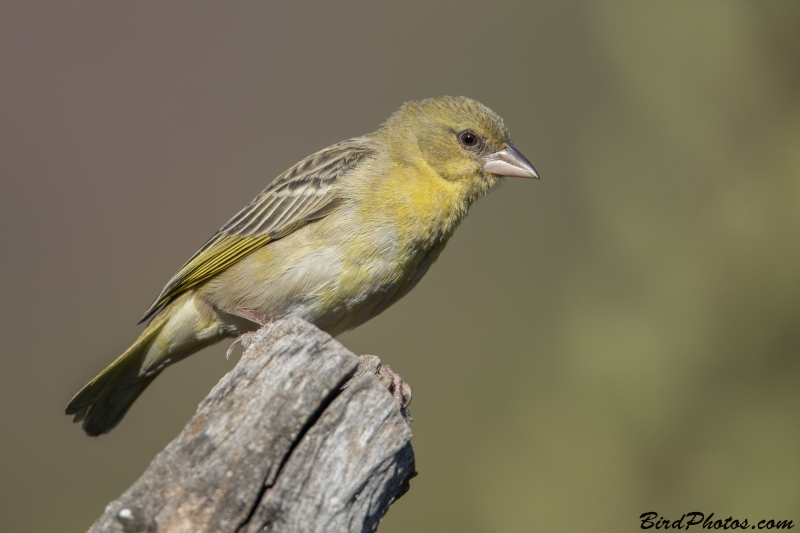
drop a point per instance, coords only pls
(468, 139)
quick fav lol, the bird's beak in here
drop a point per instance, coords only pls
(509, 162)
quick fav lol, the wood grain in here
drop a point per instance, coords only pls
(277, 446)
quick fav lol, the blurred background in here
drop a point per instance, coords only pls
(620, 337)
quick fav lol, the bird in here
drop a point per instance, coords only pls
(336, 239)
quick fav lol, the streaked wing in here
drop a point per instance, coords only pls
(305, 192)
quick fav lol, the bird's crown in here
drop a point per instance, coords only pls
(455, 113)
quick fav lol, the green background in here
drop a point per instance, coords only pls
(620, 337)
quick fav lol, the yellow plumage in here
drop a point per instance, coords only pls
(335, 239)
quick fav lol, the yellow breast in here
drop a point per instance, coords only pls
(344, 269)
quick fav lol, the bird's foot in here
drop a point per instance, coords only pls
(401, 391)
(245, 338)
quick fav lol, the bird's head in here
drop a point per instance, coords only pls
(461, 139)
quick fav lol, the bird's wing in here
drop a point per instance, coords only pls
(305, 192)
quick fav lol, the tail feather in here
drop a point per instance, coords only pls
(104, 414)
(102, 403)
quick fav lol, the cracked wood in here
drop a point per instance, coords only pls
(277, 446)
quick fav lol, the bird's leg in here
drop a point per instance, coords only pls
(401, 391)
(252, 316)
(244, 338)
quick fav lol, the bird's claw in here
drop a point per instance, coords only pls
(401, 391)
(244, 339)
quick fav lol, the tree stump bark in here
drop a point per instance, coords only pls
(277, 446)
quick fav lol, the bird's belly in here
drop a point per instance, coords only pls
(335, 287)
(335, 295)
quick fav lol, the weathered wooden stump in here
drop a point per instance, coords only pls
(277, 446)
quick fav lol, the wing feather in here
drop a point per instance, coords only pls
(305, 192)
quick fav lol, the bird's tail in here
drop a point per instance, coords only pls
(103, 402)
(184, 326)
